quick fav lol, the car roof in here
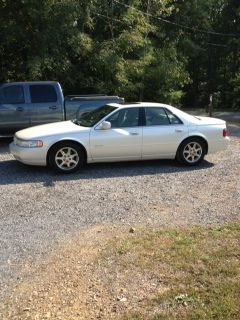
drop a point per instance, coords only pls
(139, 104)
(185, 117)
(27, 82)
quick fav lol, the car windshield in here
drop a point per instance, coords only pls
(91, 118)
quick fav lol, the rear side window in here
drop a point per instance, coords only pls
(172, 118)
(42, 93)
(156, 116)
(12, 95)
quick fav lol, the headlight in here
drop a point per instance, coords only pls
(28, 143)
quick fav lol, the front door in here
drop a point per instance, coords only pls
(14, 111)
(122, 142)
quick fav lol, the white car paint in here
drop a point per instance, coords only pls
(116, 144)
(51, 129)
(119, 144)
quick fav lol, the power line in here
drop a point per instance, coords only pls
(107, 17)
(178, 24)
(125, 23)
(216, 45)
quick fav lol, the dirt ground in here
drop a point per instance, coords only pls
(77, 282)
(81, 280)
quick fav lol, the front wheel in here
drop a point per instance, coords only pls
(191, 152)
(66, 157)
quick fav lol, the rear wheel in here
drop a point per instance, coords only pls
(66, 157)
(191, 152)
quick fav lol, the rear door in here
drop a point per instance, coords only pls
(46, 106)
(162, 133)
(14, 111)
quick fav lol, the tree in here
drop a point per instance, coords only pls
(39, 39)
(170, 51)
(135, 57)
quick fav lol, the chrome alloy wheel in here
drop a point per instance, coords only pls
(66, 158)
(192, 152)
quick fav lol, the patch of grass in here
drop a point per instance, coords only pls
(146, 275)
(200, 267)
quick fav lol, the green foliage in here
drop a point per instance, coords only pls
(198, 268)
(126, 47)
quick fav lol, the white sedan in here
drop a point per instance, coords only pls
(114, 132)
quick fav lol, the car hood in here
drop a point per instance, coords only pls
(64, 127)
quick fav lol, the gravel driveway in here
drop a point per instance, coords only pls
(39, 209)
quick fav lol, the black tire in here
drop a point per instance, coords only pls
(67, 157)
(191, 151)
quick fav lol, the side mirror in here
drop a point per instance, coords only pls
(105, 125)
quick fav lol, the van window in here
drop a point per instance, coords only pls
(42, 93)
(12, 94)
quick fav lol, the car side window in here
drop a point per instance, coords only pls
(124, 118)
(156, 116)
(12, 95)
(41, 93)
(172, 118)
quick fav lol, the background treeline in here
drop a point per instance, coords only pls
(172, 51)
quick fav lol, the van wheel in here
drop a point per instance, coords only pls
(66, 157)
(191, 152)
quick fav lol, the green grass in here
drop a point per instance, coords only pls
(200, 268)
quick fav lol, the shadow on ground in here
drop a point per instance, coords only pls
(13, 172)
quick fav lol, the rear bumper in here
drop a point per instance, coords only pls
(219, 145)
(31, 156)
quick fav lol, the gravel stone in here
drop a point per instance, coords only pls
(40, 209)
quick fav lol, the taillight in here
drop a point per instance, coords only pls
(225, 133)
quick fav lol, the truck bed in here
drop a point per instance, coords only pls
(75, 106)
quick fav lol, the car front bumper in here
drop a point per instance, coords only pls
(31, 156)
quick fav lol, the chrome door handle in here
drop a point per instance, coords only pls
(53, 107)
(134, 133)
(178, 130)
(19, 109)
